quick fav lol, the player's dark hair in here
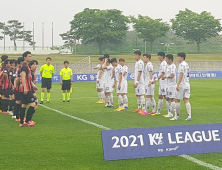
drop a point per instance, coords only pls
(182, 54)
(122, 59)
(169, 56)
(161, 54)
(113, 60)
(16, 63)
(100, 59)
(137, 52)
(7, 61)
(106, 56)
(33, 62)
(20, 59)
(12, 61)
(109, 60)
(66, 62)
(48, 58)
(147, 56)
(4, 57)
(26, 53)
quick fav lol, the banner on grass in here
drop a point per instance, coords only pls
(92, 76)
(161, 141)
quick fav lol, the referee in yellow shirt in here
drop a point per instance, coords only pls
(66, 80)
(46, 71)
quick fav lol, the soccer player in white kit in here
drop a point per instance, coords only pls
(183, 86)
(149, 87)
(170, 76)
(162, 86)
(120, 82)
(108, 81)
(99, 82)
(139, 82)
(124, 82)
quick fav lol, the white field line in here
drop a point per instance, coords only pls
(190, 158)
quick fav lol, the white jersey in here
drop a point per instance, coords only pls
(139, 67)
(148, 69)
(125, 71)
(97, 76)
(171, 70)
(108, 73)
(184, 69)
(118, 71)
(162, 69)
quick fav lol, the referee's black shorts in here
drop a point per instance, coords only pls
(47, 83)
(66, 84)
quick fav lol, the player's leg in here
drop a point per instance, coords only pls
(68, 83)
(120, 101)
(6, 99)
(49, 86)
(31, 110)
(43, 90)
(187, 103)
(153, 101)
(179, 96)
(124, 89)
(100, 91)
(17, 106)
(160, 102)
(23, 109)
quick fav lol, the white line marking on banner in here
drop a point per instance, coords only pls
(190, 158)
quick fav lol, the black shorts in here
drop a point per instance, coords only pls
(6, 92)
(66, 84)
(47, 83)
(27, 98)
(1, 90)
(18, 96)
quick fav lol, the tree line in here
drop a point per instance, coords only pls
(101, 27)
(15, 30)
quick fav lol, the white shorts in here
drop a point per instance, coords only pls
(140, 90)
(171, 92)
(183, 93)
(100, 85)
(124, 87)
(162, 90)
(108, 88)
(149, 91)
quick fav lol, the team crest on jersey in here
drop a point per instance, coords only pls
(68, 73)
(50, 71)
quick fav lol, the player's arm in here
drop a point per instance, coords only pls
(41, 70)
(23, 76)
(34, 86)
(71, 77)
(97, 67)
(104, 65)
(53, 70)
(114, 78)
(16, 81)
(61, 73)
(120, 80)
(151, 77)
(179, 80)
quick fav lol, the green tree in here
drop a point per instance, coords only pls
(149, 29)
(100, 26)
(14, 29)
(70, 40)
(196, 27)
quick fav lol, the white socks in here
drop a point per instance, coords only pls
(148, 103)
(172, 107)
(125, 100)
(188, 106)
(168, 106)
(177, 110)
(139, 102)
(101, 96)
(160, 104)
(142, 99)
(120, 100)
(111, 98)
(153, 103)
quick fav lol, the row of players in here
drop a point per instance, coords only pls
(17, 88)
(170, 89)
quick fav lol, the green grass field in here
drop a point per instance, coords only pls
(58, 142)
(129, 58)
